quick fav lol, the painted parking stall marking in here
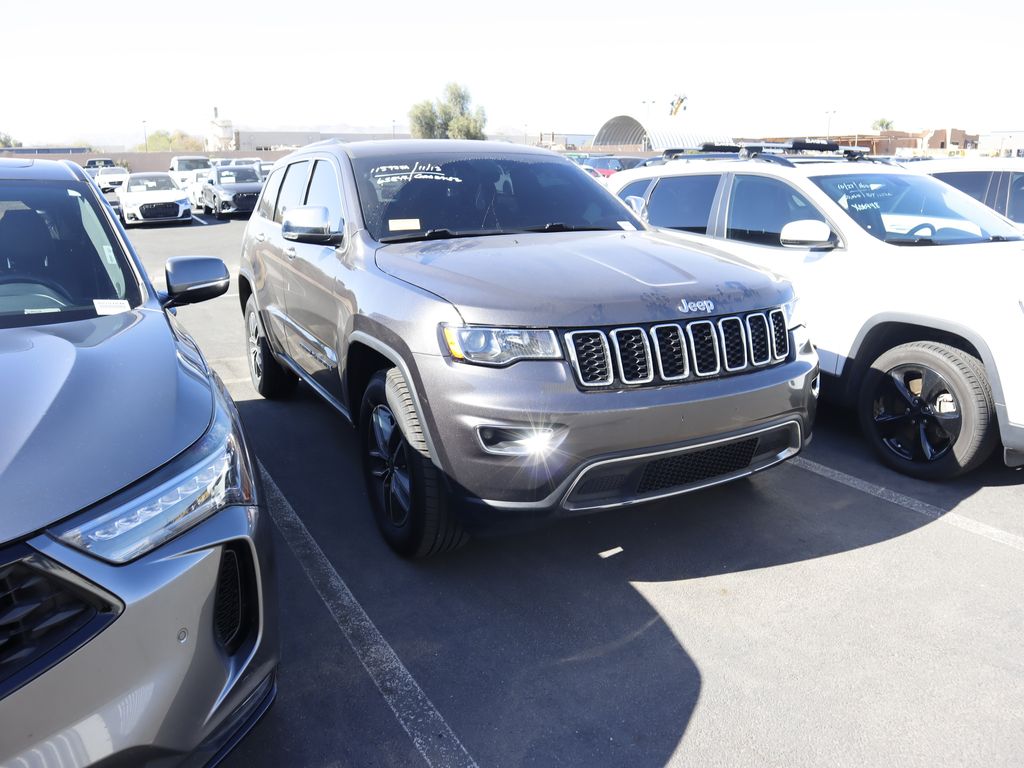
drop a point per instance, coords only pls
(430, 733)
(914, 505)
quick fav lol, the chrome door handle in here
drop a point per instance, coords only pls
(289, 252)
(260, 237)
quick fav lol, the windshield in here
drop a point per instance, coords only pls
(446, 194)
(111, 171)
(59, 260)
(907, 209)
(237, 174)
(193, 163)
(150, 182)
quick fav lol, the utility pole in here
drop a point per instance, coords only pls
(145, 136)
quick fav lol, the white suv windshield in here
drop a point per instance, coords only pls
(907, 209)
(59, 260)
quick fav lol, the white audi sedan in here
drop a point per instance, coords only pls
(153, 197)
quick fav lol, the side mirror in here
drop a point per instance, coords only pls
(637, 205)
(192, 279)
(209, 181)
(806, 233)
(311, 224)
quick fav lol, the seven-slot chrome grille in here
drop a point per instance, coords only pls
(673, 352)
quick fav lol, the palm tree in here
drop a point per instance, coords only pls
(881, 124)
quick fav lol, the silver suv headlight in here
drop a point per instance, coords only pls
(500, 346)
(794, 317)
(212, 474)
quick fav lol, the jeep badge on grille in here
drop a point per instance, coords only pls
(705, 305)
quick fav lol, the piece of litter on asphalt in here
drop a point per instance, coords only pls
(609, 552)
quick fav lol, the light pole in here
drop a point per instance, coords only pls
(145, 136)
(526, 137)
(392, 129)
(828, 123)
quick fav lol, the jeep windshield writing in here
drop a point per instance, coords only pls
(444, 195)
(906, 209)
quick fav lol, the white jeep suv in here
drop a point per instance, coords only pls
(912, 290)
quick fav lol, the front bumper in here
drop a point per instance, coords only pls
(626, 427)
(135, 215)
(157, 684)
(236, 205)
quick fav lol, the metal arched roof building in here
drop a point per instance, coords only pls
(653, 135)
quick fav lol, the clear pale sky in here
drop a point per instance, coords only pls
(95, 70)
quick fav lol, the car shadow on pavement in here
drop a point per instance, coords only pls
(541, 648)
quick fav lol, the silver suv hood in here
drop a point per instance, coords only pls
(89, 407)
(580, 279)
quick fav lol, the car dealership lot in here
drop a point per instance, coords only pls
(827, 611)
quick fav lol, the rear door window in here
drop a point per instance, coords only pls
(269, 198)
(1015, 204)
(293, 189)
(683, 202)
(759, 207)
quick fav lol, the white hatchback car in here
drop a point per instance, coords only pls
(912, 290)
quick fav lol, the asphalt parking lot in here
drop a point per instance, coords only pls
(825, 612)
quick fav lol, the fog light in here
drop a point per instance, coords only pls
(521, 441)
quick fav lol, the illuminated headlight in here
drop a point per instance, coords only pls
(226, 197)
(794, 317)
(212, 474)
(500, 346)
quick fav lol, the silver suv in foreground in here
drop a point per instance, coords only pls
(510, 341)
(137, 621)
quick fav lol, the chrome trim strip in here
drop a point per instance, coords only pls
(682, 344)
(647, 352)
(777, 315)
(767, 339)
(791, 450)
(571, 348)
(743, 343)
(693, 348)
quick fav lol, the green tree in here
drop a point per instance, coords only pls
(881, 124)
(164, 141)
(449, 117)
(7, 141)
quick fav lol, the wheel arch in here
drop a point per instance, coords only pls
(889, 330)
(367, 354)
(244, 290)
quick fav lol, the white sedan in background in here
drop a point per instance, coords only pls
(195, 188)
(153, 197)
(110, 178)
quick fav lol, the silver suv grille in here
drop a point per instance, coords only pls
(672, 352)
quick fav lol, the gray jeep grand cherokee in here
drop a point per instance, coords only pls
(510, 341)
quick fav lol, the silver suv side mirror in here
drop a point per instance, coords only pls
(637, 205)
(806, 233)
(311, 224)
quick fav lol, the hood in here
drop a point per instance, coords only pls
(245, 186)
(578, 279)
(152, 196)
(90, 407)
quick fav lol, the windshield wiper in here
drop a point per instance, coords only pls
(443, 234)
(558, 226)
(910, 241)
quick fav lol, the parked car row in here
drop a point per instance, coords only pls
(512, 343)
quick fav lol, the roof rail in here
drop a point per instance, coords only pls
(706, 147)
(768, 157)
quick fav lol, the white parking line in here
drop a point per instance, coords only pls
(196, 218)
(914, 505)
(429, 731)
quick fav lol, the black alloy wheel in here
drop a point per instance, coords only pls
(407, 494)
(916, 413)
(927, 410)
(388, 455)
(269, 377)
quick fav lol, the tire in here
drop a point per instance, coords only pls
(217, 214)
(417, 521)
(206, 209)
(271, 379)
(941, 422)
